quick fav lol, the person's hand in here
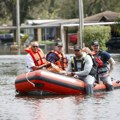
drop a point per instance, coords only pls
(55, 67)
(70, 74)
(48, 64)
(76, 76)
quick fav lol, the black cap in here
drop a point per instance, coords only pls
(77, 47)
(95, 43)
(58, 44)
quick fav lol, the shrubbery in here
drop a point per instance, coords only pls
(100, 33)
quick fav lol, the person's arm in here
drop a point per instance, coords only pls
(39, 67)
(31, 65)
(112, 63)
(69, 67)
(29, 62)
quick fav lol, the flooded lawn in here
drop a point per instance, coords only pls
(101, 106)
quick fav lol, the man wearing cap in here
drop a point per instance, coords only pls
(35, 59)
(58, 58)
(80, 65)
(103, 59)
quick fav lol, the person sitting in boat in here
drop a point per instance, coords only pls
(57, 59)
(103, 58)
(35, 59)
(80, 66)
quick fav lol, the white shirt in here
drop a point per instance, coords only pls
(87, 67)
(29, 63)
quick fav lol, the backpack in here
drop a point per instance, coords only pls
(94, 69)
(52, 57)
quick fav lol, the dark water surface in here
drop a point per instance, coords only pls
(101, 106)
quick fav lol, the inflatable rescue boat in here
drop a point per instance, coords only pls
(42, 80)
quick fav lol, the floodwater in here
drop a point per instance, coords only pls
(100, 106)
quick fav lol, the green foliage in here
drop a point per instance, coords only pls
(49, 45)
(96, 6)
(116, 27)
(72, 30)
(52, 9)
(100, 33)
(47, 42)
(4, 32)
(24, 38)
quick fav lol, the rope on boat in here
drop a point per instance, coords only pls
(29, 80)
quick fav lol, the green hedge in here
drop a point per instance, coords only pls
(100, 33)
(47, 42)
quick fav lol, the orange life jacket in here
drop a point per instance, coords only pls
(62, 62)
(38, 57)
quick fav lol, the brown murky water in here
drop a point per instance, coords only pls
(101, 106)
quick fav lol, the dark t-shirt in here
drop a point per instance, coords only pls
(105, 56)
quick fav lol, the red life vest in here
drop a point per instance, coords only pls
(97, 60)
(62, 62)
(38, 57)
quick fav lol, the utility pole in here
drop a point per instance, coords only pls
(81, 23)
(18, 26)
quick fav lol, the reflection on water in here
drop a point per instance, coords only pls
(101, 106)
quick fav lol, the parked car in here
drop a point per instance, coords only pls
(4, 38)
(8, 38)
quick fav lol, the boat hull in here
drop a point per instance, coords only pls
(42, 80)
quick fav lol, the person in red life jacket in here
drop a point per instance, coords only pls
(58, 58)
(105, 65)
(80, 66)
(35, 59)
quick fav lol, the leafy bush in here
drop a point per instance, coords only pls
(47, 42)
(49, 45)
(24, 38)
(72, 30)
(116, 27)
(100, 33)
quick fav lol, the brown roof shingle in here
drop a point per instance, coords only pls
(107, 16)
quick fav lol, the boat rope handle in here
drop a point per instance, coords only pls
(29, 80)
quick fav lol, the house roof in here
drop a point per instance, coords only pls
(56, 22)
(106, 16)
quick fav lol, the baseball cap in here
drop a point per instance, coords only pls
(59, 44)
(95, 43)
(77, 48)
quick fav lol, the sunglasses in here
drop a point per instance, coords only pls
(35, 46)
